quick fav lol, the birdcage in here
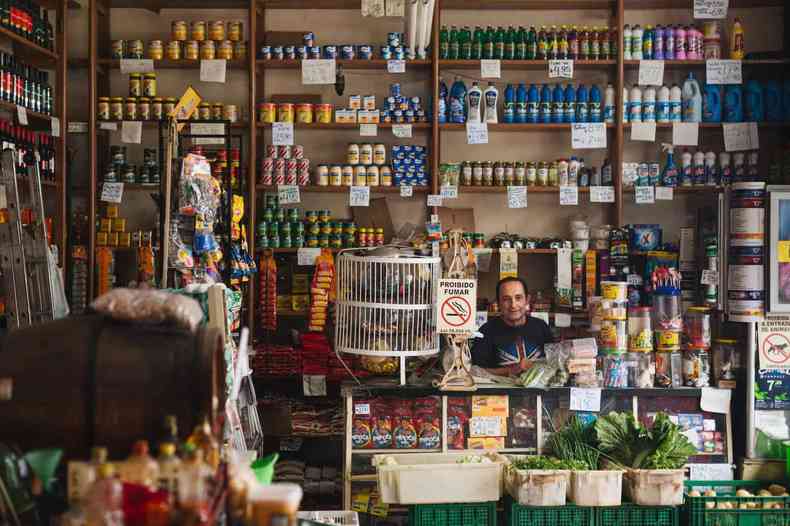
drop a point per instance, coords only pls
(386, 304)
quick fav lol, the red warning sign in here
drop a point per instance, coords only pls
(456, 311)
(773, 339)
(456, 303)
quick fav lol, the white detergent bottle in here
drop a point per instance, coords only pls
(635, 105)
(491, 97)
(474, 97)
(625, 105)
(662, 106)
(675, 105)
(608, 106)
(649, 105)
(636, 42)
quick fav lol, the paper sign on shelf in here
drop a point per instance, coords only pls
(368, 130)
(208, 128)
(112, 126)
(517, 197)
(434, 200)
(562, 69)
(456, 306)
(709, 277)
(396, 8)
(361, 409)
(562, 319)
(373, 8)
(396, 66)
(449, 192)
(490, 69)
(288, 194)
(740, 136)
(132, 132)
(588, 400)
(588, 135)
(21, 115)
(137, 65)
(306, 256)
(773, 342)
(710, 471)
(602, 194)
(112, 192)
(685, 133)
(541, 316)
(723, 71)
(715, 400)
(77, 127)
(486, 426)
(406, 191)
(665, 193)
(319, 71)
(644, 195)
(477, 133)
(402, 131)
(55, 126)
(643, 131)
(314, 384)
(282, 133)
(710, 8)
(651, 72)
(213, 70)
(569, 195)
(359, 196)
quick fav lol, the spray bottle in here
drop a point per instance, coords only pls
(491, 95)
(669, 175)
(686, 170)
(474, 108)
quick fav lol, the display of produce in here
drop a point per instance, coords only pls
(562, 172)
(198, 40)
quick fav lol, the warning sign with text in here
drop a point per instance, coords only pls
(457, 305)
(773, 342)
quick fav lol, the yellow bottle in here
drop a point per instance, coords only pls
(203, 439)
(736, 40)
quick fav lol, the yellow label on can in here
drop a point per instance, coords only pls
(668, 340)
(614, 291)
(783, 252)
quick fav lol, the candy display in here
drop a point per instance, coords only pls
(198, 40)
(395, 49)
(562, 172)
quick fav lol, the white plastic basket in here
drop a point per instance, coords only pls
(597, 488)
(537, 487)
(655, 487)
(438, 478)
(332, 518)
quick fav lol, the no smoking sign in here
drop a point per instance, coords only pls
(456, 306)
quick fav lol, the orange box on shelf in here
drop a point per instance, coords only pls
(486, 443)
(490, 405)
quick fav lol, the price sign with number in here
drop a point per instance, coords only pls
(644, 195)
(477, 133)
(585, 399)
(602, 194)
(132, 132)
(368, 130)
(561, 69)
(651, 72)
(643, 131)
(490, 69)
(318, 71)
(213, 70)
(288, 194)
(664, 193)
(283, 133)
(396, 66)
(709, 277)
(710, 8)
(434, 200)
(517, 197)
(55, 126)
(133, 65)
(359, 196)
(569, 195)
(723, 72)
(588, 135)
(401, 131)
(740, 136)
(21, 115)
(449, 192)
(685, 133)
(406, 191)
(307, 256)
(112, 192)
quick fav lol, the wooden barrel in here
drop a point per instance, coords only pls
(89, 380)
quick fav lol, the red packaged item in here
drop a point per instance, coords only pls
(426, 415)
(361, 426)
(404, 436)
(267, 293)
(381, 434)
(457, 417)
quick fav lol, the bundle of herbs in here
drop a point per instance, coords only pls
(545, 463)
(575, 442)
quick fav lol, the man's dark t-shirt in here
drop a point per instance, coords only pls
(503, 345)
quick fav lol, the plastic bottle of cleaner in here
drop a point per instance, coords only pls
(711, 103)
(531, 104)
(557, 104)
(753, 102)
(509, 108)
(692, 100)
(772, 101)
(635, 105)
(608, 105)
(442, 101)
(680, 43)
(627, 33)
(694, 38)
(596, 114)
(582, 104)
(699, 168)
(736, 40)
(658, 43)
(669, 175)
(457, 100)
(725, 171)
(570, 104)
(669, 43)
(636, 42)
(647, 42)
(711, 171)
(545, 104)
(675, 104)
(625, 105)
(606, 173)
(474, 112)
(649, 105)
(491, 96)
(662, 106)
(733, 103)
(686, 171)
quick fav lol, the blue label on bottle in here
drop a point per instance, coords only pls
(662, 111)
(595, 112)
(608, 113)
(675, 112)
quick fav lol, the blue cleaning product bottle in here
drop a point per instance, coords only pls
(442, 101)
(582, 104)
(669, 174)
(457, 100)
(753, 102)
(772, 101)
(691, 97)
(711, 103)
(509, 109)
(570, 104)
(557, 104)
(595, 104)
(545, 104)
(733, 103)
(525, 103)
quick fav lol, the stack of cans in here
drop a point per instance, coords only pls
(393, 50)
(284, 165)
(410, 165)
(400, 109)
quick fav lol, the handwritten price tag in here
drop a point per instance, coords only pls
(134, 65)
(477, 133)
(359, 196)
(132, 132)
(643, 131)
(490, 69)
(569, 195)
(283, 133)
(112, 192)
(373, 8)
(213, 70)
(740, 136)
(306, 256)
(318, 71)
(401, 131)
(449, 192)
(112, 126)
(21, 115)
(434, 200)
(651, 72)
(585, 400)
(396, 66)
(288, 194)
(560, 69)
(644, 195)
(517, 197)
(602, 194)
(588, 135)
(562, 319)
(55, 126)
(685, 133)
(723, 72)
(361, 409)
(710, 8)
(368, 130)
(710, 277)
(406, 191)
(396, 8)
(665, 193)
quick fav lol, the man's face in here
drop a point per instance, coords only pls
(513, 303)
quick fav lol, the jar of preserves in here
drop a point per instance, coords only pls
(499, 174)
(532, 174)
(554, 174)
(304, 113)
(488, 173)
(216, 30)
(130, 110)
(366, 153)
(157, 109)
(466, 173)
(118, 49)
(696, 368)
(230, 113)
(477, 174)
(174, 50)
(217, 111)
(520, 174)
(128, 174)
(135, 49)
(169, 106)
(374, 176)
(208, 50)
(352, 154)
(116, 108)
(240, 50)
(204, 111)
(198, 30)
(179, 30)
(510, 176)
(235, 30)
(103, 111)
(149, 85)
(135, 85)
(156, 50)
(225, 50)
(144, 109)
(285, 112)
(696, 328)
(543, 174)
(192, 50)
(360, 175)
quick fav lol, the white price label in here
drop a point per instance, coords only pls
(449, 192)
(569, 195)
(359, 196)
(517, 197)
(401, 131)
(490, 69)
(112, 192)
(588, 135)
(77, 127)
(477, 133)
(21, 115)
(362, 409)
(55, 126)
(137, 65)
(282, 133)
(602, 194)
(585, 400)
(396, 66)
(665, 193)
(216, 130)
(740, 136)
(709, 277)
(406, 191)
(685, 133)
(651, 72)
(723, 72)
(318, 71)
(288, 194)
(562, 319)
(112, 126)
(635, 280)
(643, 131)
(710, 8)
(314, 384)
(434, 200)
(644, 195)
(368, 130)
(213, 70)
(485, 426)
(562, 69)
(306, 256)
(541, 316)
(132, 132)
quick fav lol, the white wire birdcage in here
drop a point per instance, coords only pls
(386, 305)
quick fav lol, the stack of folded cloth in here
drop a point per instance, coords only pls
(290, 471)
(316, 420)
(276, 360)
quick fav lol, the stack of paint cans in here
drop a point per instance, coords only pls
(284, 165)
(746, 289)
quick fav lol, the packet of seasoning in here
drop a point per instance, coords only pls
(426, 414)
(404, 435)
(381, 433)
(457, 417)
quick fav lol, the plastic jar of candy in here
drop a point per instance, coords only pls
(726, 363)
(669, 369)
(615, 371)
(640, 333)
(696, 368)
(641, 369)
(696, 328)
(666, 312)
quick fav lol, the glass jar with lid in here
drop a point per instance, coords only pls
(726, 362)
(130, 111)
(156, 50)
(696, 328)
(666, 312)
(696, 368)
(103, 113)
(640, 333)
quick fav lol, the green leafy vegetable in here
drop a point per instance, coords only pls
(575, 442)
(541, 462)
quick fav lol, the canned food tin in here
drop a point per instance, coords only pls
(289, 52)
(283, 152)
(285, 112)
(103, 112)
(118, 49)
(315, 51)
(297, 151)
(373, 175)
(347, 52)
(144, 109)
(216, 30)
(116, 108)
(385, 52)
(365, 52)
(277, 53)
(198, 30)
(174, 50)
(204, 111)
(179, 30)
(130, 111)
(379, 154)
(156, 50)
(271, 151)
(265, 53)
(309, 39)
(235, 30)
(304, 113)
(366, 153)
(149, 85)
(335, 175)
(393, 39)
(302, 52)
(135, 85)
(398, 53)
(348, 175)
(352, 154)
(230, 113)
(208, 50)
(322, 175)
(267, 112)
(330, 51)
(218, 111)
(240, 50)
(324, 113)
(192, 50)
(135, 49)
(360, 175)
(385, 174)
(225, 50)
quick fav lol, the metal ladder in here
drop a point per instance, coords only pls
(24, 254)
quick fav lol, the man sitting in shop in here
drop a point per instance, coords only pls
(513, 340)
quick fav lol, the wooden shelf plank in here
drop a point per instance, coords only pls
(30, 52)
(525, 64)
(450, 4)
(517, 127)
(114, 63)
(503, 190)
(716, 125)
(345, 189)
(346, 126)
(31, 115)
(158, 5)
(376, 63)
(684, 4)
(679, 64)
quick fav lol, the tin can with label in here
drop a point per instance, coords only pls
(366, 153)
(168, 106)
(324, 113)
(204, 111)
(348, 52)
(240, 50)
(144, 109)
(373, 175)
(385, 52)
(149, 85)
(218, 111)
(130, 109)
(198, 30)
(208, 50)
(322, 175)
(174, 50)
(191, 50)
(283, 151)
(330, 51)
(235, 30)
(265, 53)
(365, 52)
(304, 113)
(352, 154)
(309, 39)
(398, 53)
(103, 113)
(118, 48)
(135, 85)
(267, 112)
(379, 154)
(302, 52)
(315, 52)
(225, 50)
(360, 175)
(156, 50)
(385, 174)
(285, 112)
(216, 30)
(348, 175)
(393, 39)
(289, 52)
(335, 175)
(297, 151)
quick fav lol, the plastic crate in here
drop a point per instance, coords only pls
(568, 515)
(697, 514)
(633, 515)
(477, 514)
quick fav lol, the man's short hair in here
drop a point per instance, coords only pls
(509, 280)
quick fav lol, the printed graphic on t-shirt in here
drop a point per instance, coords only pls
(515, 351)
